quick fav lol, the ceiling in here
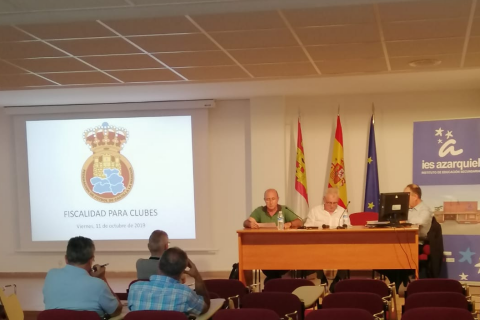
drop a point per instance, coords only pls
(279, 43)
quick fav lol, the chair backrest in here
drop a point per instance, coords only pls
(434, 285)
(339, 314)
(281, 302)
(227, 288)
(361, 218)
(12, 306)
(363, 285)
(136, 280)
(242, 314)
(130, 284)
(286, 285)
(436, 299)
(437, 314)
(61, 314)
(370, 302)
(155, 315)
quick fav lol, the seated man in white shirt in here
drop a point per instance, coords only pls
(329, 215)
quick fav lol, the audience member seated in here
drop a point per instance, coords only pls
(269, 214)
(165, 292)
(79, 287)
(157, 244)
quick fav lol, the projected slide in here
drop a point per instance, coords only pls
(111, 179)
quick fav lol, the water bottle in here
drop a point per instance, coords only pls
(344, 220)
(281, 221)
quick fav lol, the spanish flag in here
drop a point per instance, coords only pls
(337, 167)
(300, 206)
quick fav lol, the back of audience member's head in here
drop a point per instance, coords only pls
(173, 262)
(80, 250)
(158, 242)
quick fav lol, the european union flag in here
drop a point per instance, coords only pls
(372, 190)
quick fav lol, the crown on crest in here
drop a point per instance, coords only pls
(105, 138)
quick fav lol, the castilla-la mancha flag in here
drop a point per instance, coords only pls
(300, 200)
(337, 167)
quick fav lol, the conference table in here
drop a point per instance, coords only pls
(357, 248)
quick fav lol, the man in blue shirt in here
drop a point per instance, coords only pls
(165, 292)
(77, 286)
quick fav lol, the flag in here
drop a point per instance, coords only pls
(337, 167)
(372, 190)
(300, 199)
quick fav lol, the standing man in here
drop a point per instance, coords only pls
(165, 292)
(157, 244)
(79, 287)
(269, 214)
(329, 214)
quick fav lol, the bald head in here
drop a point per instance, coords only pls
(270, 192)
(271, 199)
(158, 243)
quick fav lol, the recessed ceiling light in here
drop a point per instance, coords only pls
(424, 63)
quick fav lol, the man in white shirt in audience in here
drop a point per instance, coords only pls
(329, 215)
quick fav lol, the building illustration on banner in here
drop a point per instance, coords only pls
(446, 165)
(107, 175)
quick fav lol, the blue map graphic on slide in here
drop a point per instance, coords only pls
(113, 183)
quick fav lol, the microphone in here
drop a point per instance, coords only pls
(344, 225)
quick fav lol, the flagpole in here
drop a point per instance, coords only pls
(338, 110)
(373, 113)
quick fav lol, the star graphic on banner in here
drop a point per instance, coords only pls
(466, 256)
(478, 265)
(463, 276)
(370, 205)
(369, 160)
(449, 134)
(439, 132)
(440, 141)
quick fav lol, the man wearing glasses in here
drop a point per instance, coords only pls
(329, 215)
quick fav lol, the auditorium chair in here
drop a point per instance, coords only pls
(61, 314)
(370, 302)
(155, 315)
(304, 289)
(437, 299)
(286, 305)
(339, 314)
(231, 290)
(124, 295)
(441, 313)
(361, 218)
(436, 285)
(243, 314)
(386, 292)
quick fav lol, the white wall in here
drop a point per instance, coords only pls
(394, 117)
(249, 151)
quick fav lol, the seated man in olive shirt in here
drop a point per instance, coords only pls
(269, 214)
